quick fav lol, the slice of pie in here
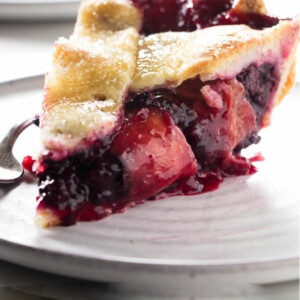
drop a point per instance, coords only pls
(152, 98)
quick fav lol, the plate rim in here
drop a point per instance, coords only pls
(155, 261)
(88, 268)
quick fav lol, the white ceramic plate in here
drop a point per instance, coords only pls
(38, 10)
(246, 231)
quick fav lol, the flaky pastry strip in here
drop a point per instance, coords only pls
(90, 74)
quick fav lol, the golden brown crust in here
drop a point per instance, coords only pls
(46, 217)
(97, 15)
(250, 6)
(90, 74)
(288, 72)
(289, 83)
(215, 52)
(288, 67)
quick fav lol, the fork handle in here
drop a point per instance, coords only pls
(15, 131)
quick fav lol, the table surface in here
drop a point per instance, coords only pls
(25, 50)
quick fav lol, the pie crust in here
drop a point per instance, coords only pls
(90, 74)
(101, 100)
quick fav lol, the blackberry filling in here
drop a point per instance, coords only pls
(74, 189)
(128, 167)
(194, 117)
(191, 15)
(102, 180)
(260, 84)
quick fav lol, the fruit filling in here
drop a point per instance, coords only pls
(189, 15)
(176, 141)
(148, 154)
(214, 116)
(260, 84)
